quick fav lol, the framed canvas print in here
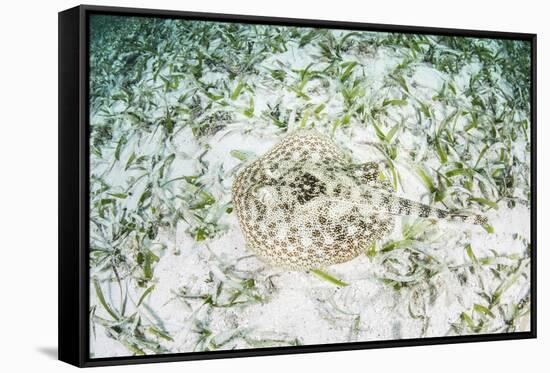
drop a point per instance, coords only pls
(236, 185)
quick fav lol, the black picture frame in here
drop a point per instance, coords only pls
(74, 170)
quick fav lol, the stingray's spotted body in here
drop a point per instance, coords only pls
(303, 206)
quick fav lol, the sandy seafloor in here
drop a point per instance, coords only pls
(207, 290)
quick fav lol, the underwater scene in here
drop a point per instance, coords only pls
(257, 186)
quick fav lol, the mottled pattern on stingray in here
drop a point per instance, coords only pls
(302, 205)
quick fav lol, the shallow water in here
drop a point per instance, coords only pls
(179, 107)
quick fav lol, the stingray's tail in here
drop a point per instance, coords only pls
(402, 206)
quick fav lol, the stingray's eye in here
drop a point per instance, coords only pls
(272, 172)
(265, 194)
